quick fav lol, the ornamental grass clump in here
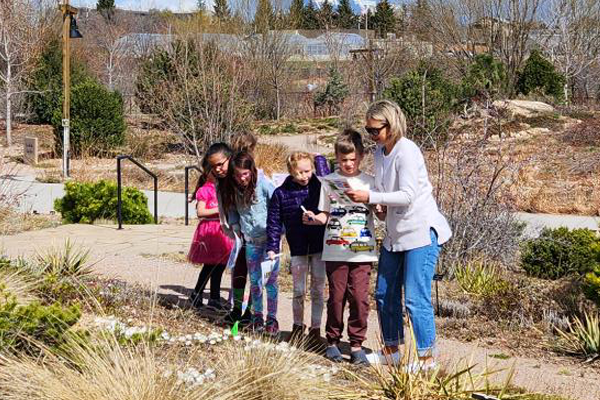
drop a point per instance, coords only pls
(581, 338)
(19, 285)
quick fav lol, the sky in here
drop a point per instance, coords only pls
(189, 5)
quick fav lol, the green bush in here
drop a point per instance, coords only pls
(591, 285)
(560, 252)
(87, 202)
(24, 327)
(46, 84)
(539, 75)
(425, 86)
(97, 122)
(486, 77)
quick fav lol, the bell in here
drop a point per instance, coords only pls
(74, 32)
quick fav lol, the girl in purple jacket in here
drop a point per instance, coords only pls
(300, 193)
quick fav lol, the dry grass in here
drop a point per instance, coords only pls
(271, 157)
(18, 285)
(102, 369)
(12, 222)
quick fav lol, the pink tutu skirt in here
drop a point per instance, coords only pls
(210, 245)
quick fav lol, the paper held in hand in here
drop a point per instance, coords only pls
(235, 251)
(339, 184)
(267, 267)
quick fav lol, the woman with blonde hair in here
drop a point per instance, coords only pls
(415, 232)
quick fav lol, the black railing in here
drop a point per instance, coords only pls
(119, 201)
(187, 190)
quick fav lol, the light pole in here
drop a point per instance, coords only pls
(69, 31)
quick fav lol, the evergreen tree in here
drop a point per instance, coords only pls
(309, 16)
(106, 8)
(201, 5)
(334, 93)
(264, 16)
(384, 20)
(295, 15)
(326, 15)
(221, 10)
(346, 17)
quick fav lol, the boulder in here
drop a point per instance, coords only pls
(524, 108)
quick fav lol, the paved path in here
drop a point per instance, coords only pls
(39, 197)
(123, 254)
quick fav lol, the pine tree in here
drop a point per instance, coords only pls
(264, 16)
(334, 93)
(384, 20)
(201, 5)
(295, 15)
(326, 15)
(309, 16)
(106, 8)
(346, 17)
(221, 10)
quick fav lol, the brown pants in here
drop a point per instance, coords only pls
(348, 282)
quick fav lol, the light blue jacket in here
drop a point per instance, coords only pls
(252, 220)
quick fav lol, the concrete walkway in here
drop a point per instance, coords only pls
(124, 254)
(39, 197)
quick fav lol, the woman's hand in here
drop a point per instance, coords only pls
(358, 196)
(271, 255)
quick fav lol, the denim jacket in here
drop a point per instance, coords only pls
(253, 219)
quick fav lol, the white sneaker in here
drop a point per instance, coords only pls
(384, 359)
(420, 366)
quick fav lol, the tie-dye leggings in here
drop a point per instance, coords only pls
(255, 255)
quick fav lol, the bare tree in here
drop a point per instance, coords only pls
(460, 29)
(109, 40)
(573, 37)
(22, 26)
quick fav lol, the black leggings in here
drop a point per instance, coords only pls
(214, 273)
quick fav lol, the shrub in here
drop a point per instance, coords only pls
(24, 327)
(582, 338)
(46, 82)
(97, 122)
(539, 74)
(334, 93)
(591, 285)
(88, 202)
(560, 252)
(486, 77)
(480, 279)
(427, 98)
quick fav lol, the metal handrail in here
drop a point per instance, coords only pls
(187, 190)
(119, 201)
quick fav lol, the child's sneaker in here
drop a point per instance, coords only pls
(359, 357)
(297, 333)
(334, 354)
(233, 316)
(314, 341)
(257, 325)
(272, 327)
(215, 305)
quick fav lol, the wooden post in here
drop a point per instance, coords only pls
(66, 86)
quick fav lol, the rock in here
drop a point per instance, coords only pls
(524, 108)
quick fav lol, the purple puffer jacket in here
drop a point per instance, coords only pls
(285, 211)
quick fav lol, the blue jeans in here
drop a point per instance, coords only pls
(412, 270)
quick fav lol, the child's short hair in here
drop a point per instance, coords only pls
(292, 160)
(349, 141)
(244, 141)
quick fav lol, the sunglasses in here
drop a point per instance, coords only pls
(375, 131)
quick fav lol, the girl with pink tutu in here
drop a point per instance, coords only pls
(209, 246)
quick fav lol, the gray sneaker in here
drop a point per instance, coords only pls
(333, 354)
(359, 357)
